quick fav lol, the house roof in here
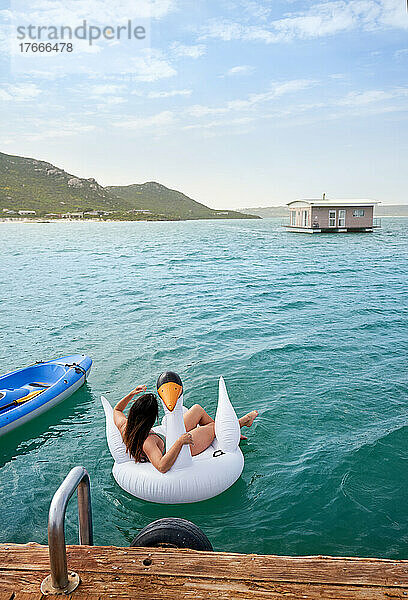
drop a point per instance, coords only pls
(334, 202)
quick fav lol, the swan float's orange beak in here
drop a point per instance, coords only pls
(169, 388)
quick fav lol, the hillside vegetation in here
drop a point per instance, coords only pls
(162, 200)
(34, 185)
(29, 184)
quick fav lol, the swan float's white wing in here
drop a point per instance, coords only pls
(227, 429)
(116, 446)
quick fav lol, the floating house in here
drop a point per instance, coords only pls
(326, 216)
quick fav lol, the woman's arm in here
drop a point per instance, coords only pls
(118, 416)
(164, 463)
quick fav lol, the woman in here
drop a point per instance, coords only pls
(145, 445)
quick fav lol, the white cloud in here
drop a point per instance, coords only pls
(235, 126)
(69, 12)
(150, 66)
(257, 107)
(110, 101)
(371, 96)
(395, 13)
(361, 98)
(401, 54)
(170, 94)
(294, 85)
(161, 119)
(105, 89)
(321, 19)
(276, 90)
(46, 129)
(21, 92)
(65, 130)
(181, 50)
(5, 96)
(227, 31)
(329, 18)
(240, 70)
(198, 110)
(226, 123)
(255, 9)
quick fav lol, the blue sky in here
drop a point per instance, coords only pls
(234, 102)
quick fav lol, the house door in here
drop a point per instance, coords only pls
(332, 218)
(305, 218)
(342, 218)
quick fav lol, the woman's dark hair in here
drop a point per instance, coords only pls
(141, 418)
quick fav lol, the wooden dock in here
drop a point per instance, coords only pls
(170, 574)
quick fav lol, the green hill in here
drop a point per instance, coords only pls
(170, 203)
(34, 185)
(29, 184)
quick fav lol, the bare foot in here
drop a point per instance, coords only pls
(248, 419)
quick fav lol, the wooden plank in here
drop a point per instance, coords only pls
(123, 586)
(209, 565)
(64, 597)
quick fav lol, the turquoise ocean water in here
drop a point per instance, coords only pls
(310, 330)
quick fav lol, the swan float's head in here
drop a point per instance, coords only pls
(170, 389)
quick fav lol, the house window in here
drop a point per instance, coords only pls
(358, 212)
(305, 218)
(293, 217)
(342, 217)
(332, 218)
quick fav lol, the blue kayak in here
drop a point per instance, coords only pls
(29, 392)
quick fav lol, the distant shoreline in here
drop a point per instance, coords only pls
(5, 220)
(46, 221)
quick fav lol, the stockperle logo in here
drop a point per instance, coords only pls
(91, 33)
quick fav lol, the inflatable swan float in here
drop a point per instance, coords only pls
(190, 479)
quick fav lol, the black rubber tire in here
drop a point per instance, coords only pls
(172, 533)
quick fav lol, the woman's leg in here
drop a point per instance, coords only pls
(202, 436)
(247, 420)
(196, 415)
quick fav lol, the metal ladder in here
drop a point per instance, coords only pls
(60, 581)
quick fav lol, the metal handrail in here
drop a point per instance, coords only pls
(60, 581)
